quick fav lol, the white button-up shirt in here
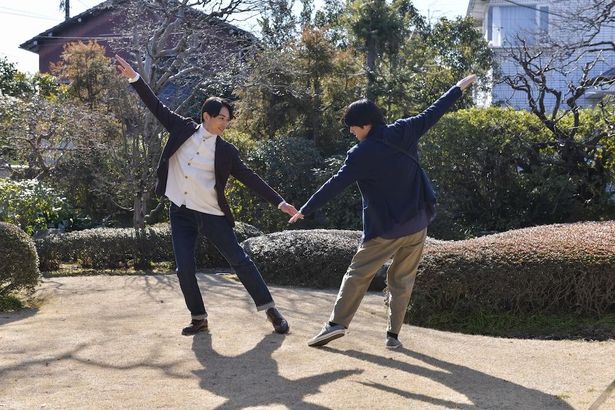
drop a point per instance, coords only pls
(192, 178)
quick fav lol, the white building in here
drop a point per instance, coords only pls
(540, 24)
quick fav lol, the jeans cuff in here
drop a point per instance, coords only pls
(199, 317)
(265, 307)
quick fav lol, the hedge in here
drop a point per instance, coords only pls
(102, 248)
(554, 268)
(315, 258)
(19, 261)
(563, 268)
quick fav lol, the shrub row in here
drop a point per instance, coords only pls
(315, 258)
(110, 248)
(555, 268)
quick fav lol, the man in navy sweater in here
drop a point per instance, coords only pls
(398, 205)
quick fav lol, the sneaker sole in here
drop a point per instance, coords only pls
(324, 339)
(203, 329)
(393, 347)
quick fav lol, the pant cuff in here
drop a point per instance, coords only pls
(265, 307)
(199, 317)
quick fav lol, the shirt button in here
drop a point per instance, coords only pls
(186, 176)
(188, 164)
(197, 153)
(185, 193)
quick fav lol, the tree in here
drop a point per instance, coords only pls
(13, 82)
(87, 71)
(278, 24)
(379, 29)
(184, 54)
(578, 145)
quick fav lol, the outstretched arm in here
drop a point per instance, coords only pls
(415, 127)
(167, 117)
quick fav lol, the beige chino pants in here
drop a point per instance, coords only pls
(370, 256)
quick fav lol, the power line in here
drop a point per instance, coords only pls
(22, 13)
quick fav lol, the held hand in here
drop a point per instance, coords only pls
(466, 82)
(125, 69)
(295, 218)
(288, 208)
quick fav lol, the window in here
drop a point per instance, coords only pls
(506, 23)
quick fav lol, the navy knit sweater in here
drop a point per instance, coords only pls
(393, 188)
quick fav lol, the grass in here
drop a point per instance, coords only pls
(533, 326)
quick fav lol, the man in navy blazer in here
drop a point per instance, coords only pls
(398, 205)
(192, 172)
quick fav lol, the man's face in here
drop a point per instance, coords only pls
(360, 132)
(216, 125)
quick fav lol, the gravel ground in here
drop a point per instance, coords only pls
(106, 342)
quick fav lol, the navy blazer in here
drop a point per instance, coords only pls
(226, 162)
(393, 187)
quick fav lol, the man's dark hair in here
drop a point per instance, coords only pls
(213, 105)
(363, 112)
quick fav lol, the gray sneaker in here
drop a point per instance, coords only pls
(327, 334)
(392, 343)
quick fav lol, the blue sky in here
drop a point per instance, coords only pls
(23, 19)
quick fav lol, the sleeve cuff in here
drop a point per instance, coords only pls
(280, 204)
(134, 79)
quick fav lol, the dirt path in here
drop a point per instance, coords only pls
(113, 342)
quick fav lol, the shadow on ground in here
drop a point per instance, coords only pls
(234, 377)
(483, 390)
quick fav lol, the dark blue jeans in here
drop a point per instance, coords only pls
(186, 225)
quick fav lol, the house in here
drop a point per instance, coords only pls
(539, 23)
(103, 24)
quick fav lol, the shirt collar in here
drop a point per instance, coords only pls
(203, 133)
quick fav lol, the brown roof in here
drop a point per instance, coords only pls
(34, 43)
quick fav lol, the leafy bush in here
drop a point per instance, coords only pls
(496, 169)
(19, 261)
(285, 164)
(122, 247)
(30, 204)
(545, 269)
(342, 212)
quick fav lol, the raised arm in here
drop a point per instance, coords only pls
(167, 117)
(415, 127)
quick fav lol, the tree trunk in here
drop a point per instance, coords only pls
(370, 63)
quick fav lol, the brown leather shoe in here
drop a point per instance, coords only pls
(280, 325)
(196, 326)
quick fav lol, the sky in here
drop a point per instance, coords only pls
(21, 20)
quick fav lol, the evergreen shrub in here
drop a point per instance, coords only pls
(19, 260)
(562, 268)
(110, 248)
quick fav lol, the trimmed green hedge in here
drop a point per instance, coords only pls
(121, 247)
(553, 268)
(546, 269)
(19, 261)
(315, 258)
(311, 258)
